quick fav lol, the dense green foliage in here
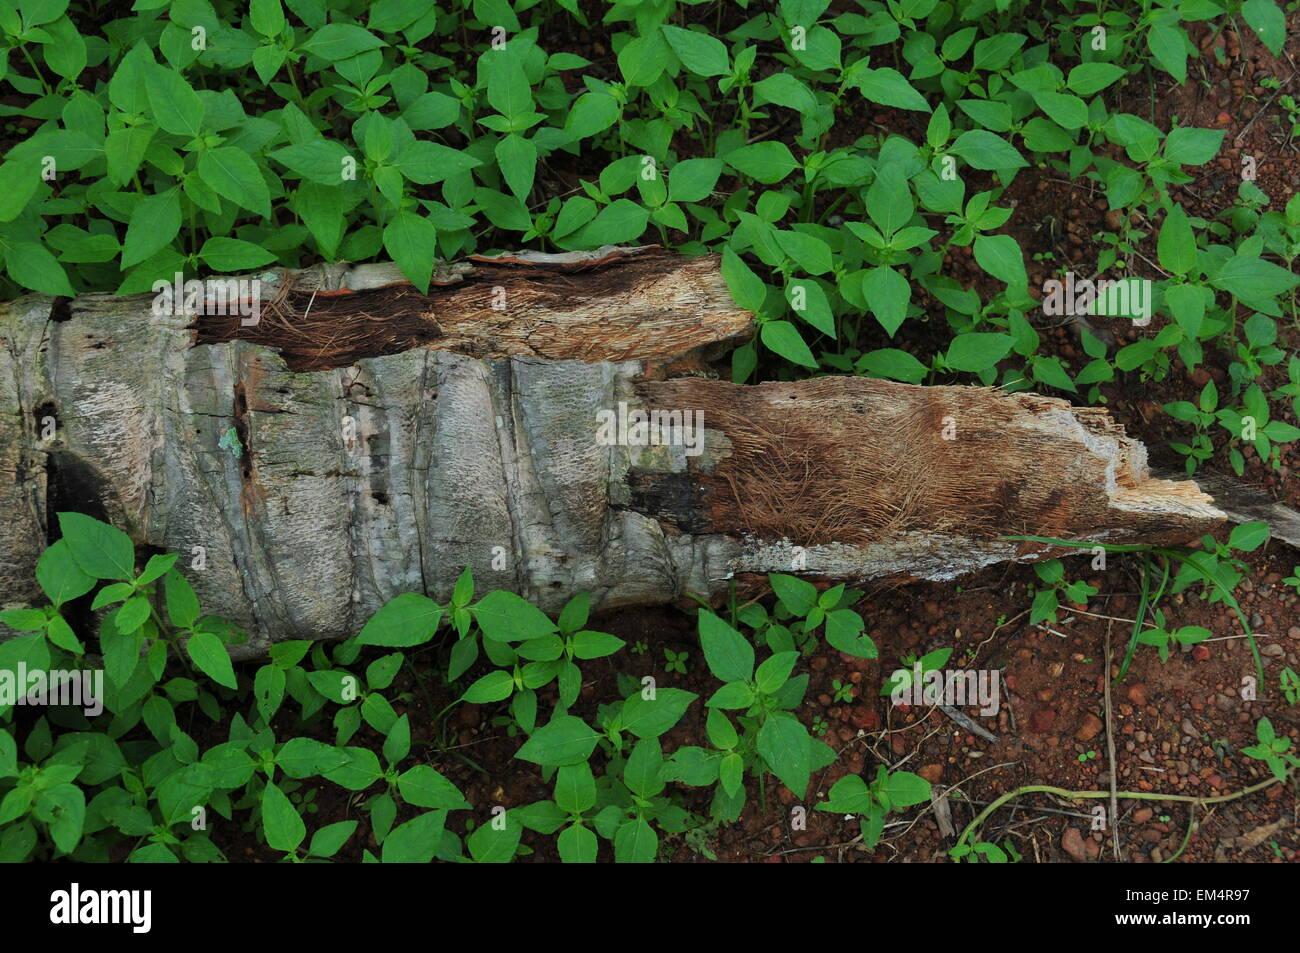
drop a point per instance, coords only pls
(200, 136)
(131, 781)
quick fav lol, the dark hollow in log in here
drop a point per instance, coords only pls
(510, 442)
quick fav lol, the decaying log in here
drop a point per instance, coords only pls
(436, 432)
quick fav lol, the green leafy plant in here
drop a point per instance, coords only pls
(903, 678)
(1273, 749)
(1048, 599)
(1289, 682)
(888, 791)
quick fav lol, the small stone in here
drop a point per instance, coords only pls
(1137, 693)
(1200, 653)
(1072, 844)
(863, 717)
(1042, 720)
(1089, 729)
(1142, 815)
(931, 772)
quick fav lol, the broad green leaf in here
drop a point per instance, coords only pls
(412, 240)
(798, 595)
(1176, 247)
(267, 18)
(592, 113)
(426, 162)
(783, 338)
(747, 289)
(564, 740)
(102, 551)
(807, 300)
(887, 294)
(893, 364)
(490, 844)
(766, 162)
(642, 773)
(18, 183)
(985, 150)
(408, 619)
(651, 717)
(508, 91)
(176, 107)
(423, 786)
(1248, 537)
(621, 221)
(31, 266)
(319, 160)
(303, 757)
(575, 788)
(492, 687)
(230, 255)
(330, 839)
(517, 159)
(64, 808)
(1169, 44)
(977, 350)
(416, 841)
(577, 845)
(785, 90)
(1268, 21)
(59, 575)
(844, 632)
(905, 789)
(338, 41)
(889, 201)
(1087, 79)
(635, 842)
(281, 823)
(774, 672)
(810, 253)
(702, 54)
(729, 655)
(210, 657)
(1001, 257)
(1187, 145)
(888, 87)
(233, 174)
(783, 743)
(1251, 278)
(506, 617)
(153, 225)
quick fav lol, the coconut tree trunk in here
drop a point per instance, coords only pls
(362, 439)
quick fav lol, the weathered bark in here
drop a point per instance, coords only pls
(477, 445)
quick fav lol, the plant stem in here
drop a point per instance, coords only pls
(1082, 795)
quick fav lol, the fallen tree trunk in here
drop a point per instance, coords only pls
(395, 438)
